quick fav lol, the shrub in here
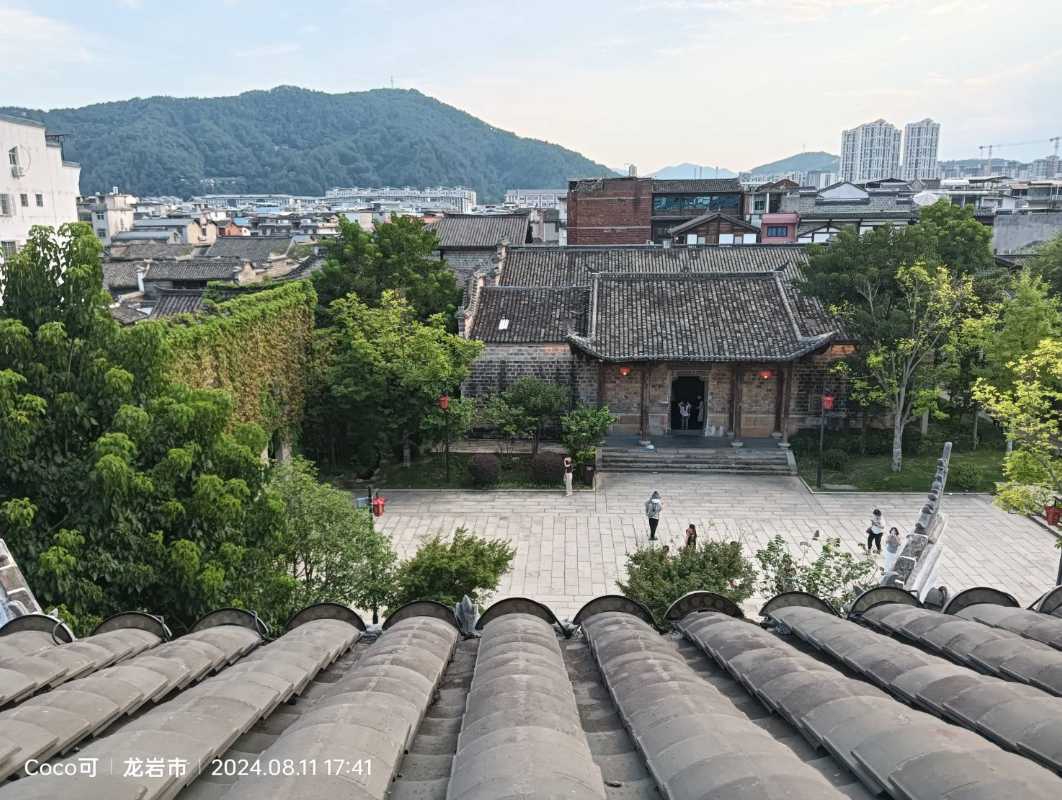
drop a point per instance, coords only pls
(584, 427)
(547, 468)
(964, 478)
(484, 468)
(835, 575)
(836, 460)
(656, 578)
(447, 571)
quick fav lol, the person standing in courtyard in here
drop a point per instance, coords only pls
(691, 537)
(684, 412)
(568, 476)
(653, 506)
(893, 543)
(875, 531)
(700, 412)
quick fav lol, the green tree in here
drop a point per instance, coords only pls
(131, 492)
(583, 429)
(447, 571)
(1048, 263)
(905, 314)
(834, 575)
(526, 408)
(951, 235)
(1030, 411)
(657, 578)
(380, 374)
(327, 549)
(395, 257)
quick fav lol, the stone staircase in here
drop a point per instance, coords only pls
(723, 460)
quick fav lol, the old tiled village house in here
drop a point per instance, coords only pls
(643, 328)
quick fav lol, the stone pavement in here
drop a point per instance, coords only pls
(570, 550)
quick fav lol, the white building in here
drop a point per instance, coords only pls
(920, 141)
(108, 214)
(453, 199)
(536, 198)
(870, 152)
(36, 186)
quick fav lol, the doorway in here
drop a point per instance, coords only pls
(687, 389)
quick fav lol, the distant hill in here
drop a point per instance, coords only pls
(687, 170)
(801, 162)
(292, 140)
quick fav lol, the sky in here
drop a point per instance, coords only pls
(729, 83)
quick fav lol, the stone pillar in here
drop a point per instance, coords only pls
(779, 399)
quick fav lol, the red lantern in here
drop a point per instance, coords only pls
(444, 401)
(827, 402)
(766, 374)
(625, 371)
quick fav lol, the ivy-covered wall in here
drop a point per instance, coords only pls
(256, 347)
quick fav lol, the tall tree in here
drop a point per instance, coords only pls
(1048, 263)
(1030, 411)
(381, 374)
(397, 257)
(951, 235)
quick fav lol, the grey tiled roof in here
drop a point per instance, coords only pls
(147, 249)
(126, 315)
(194, 269)
(256, 249)
(720, 317)
(696, 185)
(573, 266)
(177, 301)
(481, 230)
(703, 218)
(812, 707)
(120, 275)
(534, 315)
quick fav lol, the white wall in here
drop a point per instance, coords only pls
(44, 173)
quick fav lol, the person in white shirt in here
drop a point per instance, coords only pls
(875, 531)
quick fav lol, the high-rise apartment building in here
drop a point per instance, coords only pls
(920, 141)
(870, 152)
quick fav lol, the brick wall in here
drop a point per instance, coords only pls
(610, 211)
(501, 365)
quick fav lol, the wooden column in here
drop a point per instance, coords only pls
(600, 384)
(643, 406)
(735, 399)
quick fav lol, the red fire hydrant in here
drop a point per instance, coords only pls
(378, 504)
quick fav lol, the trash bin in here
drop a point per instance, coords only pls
(588, 475)
(378, 504)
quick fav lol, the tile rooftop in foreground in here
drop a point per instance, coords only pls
(894, 701)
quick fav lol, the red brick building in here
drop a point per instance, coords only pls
(643, 210)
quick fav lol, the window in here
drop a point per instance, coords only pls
(7, 249)
(101, 232)
(100, 215)
(726, 238)
(6, 209)
(759, 205)
(24, 198)
(503, 325)
(777, 231)
(40, 201)
(12, 156)
(696, 203)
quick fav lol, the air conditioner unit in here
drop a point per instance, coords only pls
(17, 170)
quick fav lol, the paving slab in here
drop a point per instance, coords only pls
(572, 549)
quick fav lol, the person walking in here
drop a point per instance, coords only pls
(700, 412)
(691, 537)
(653, 506)
(875, 531)
(568, 474)
(684, 412)
(893, 543)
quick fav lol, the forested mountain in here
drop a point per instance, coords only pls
(687, 170)
(298, 141)
(801, 162)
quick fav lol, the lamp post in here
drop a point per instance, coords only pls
(827, 405)
(444, 404)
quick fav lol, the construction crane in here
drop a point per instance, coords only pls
(989, 147)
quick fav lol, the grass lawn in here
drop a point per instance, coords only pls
(874, 474)
(429, 472)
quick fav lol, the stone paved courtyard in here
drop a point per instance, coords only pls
(569, 550)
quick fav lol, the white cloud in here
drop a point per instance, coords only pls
(35, 42)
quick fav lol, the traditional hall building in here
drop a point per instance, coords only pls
(643, 328)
